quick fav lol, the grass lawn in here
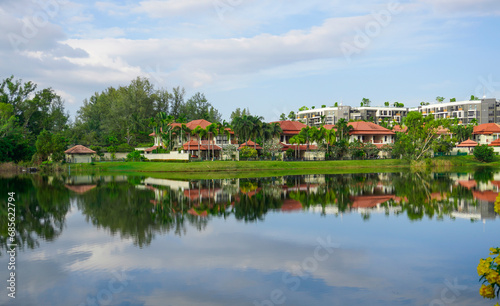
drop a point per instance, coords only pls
(213, 169)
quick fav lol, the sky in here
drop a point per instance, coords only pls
(269, 56)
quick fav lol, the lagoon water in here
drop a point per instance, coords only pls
(355, 239)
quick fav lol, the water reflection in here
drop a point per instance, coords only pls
(41, 207)
(231, 241)
(142, 207)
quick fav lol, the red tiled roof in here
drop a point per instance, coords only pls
(467, 143)
(467, 184)
(291, 127)
(291, 205)
(368, 128)
(370, 201)
(81, 189)
(399, 128)
(487, 129)
(200, 122)
(250, 144)
(495, 143)
(329, 127)
(487, 195)
(151, 149)
(79, 149)
(442, 131)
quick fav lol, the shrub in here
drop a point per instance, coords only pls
(135, 156)
(484, 153)
(248, 152)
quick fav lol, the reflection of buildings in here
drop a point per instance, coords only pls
(83, 183)
(483, 192)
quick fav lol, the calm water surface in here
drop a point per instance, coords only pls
(360, 239)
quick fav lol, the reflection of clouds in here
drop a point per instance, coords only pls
(236, 263)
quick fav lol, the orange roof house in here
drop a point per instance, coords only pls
(368, 128)
(468, 143)
(79, 149)
(291, 127)
(79, 154)
(486, 129)
(495, 143)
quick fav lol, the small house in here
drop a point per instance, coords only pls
(79, 154)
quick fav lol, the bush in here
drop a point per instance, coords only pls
(135, 156)
(484, 153)
(247, 152)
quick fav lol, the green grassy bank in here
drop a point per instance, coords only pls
(222, 169)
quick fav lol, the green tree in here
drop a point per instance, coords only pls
(484, 153)
(453, 100)
(386, 104)
(439, 99)
(366, 102)
(292, 116)
(421, 137)
(343, 129)
(44, 145)
(282, 117)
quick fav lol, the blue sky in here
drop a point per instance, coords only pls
(270, 56)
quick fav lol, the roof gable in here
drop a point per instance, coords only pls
(79, 149)
(200, 122)
(368, 128)
(487, 128)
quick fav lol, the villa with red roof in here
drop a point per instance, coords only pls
(486, 133)
(368, 132)
(208, 145)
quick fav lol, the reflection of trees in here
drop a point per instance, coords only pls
(41, 209)
(254, 208)
(421, 195)
(131, 212)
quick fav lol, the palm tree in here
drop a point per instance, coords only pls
(275, 129)
(343, 129)
(183, 131)
(257, 130)
(165, 126)
(198, 131)
(304, 133)
(242, 127)
(213, 131)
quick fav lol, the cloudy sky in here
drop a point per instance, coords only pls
(269, 56)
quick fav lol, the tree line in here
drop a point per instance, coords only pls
(34, 123)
